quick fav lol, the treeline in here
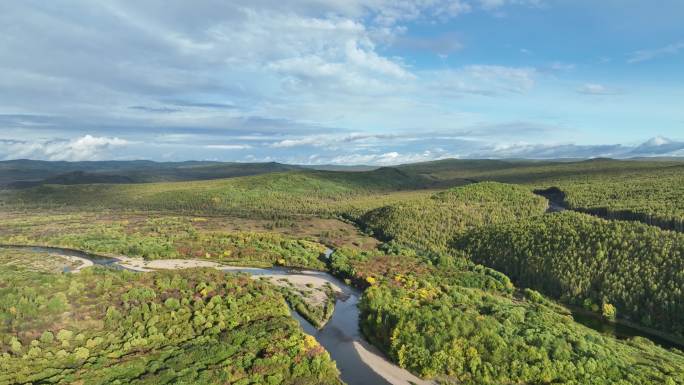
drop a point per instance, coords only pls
(430, 223)
(590, 262)
(194, 326)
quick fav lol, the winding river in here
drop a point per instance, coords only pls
(359, 362)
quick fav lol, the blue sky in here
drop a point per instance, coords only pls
(341, 81)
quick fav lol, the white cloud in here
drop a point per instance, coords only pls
(597, 89)
(228, 146)
(657, 146)
(336, 141)
(389, 158)
(309, 141)
(87, 147)
(650, 54)
(368, 59)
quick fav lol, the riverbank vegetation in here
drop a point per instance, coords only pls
(461, 323)
(163, 237)
(103, 326)
(438, 328)
(35, 261)
(316, 308)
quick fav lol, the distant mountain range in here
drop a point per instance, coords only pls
(24, 173)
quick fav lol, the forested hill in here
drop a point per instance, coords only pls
(598, 264)
(430, 223)
(309, 192)
(647, 191)
(532, 171)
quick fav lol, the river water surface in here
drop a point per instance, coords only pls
(340, 336)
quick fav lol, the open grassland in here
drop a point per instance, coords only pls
(163, 237)
(115, 327)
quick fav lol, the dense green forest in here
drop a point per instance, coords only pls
(103, 326)
(462, 323)
(439, 328)
(587, 261)
(646, 191)
(529, 171)
(653, 198)
(430, 223)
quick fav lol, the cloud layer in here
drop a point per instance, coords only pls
(327, 81)
(83, 148)
(369, 150)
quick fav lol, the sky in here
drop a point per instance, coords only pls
(340, 81)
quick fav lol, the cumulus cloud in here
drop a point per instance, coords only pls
(87, 147)
(446, 147)
(523, 150)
